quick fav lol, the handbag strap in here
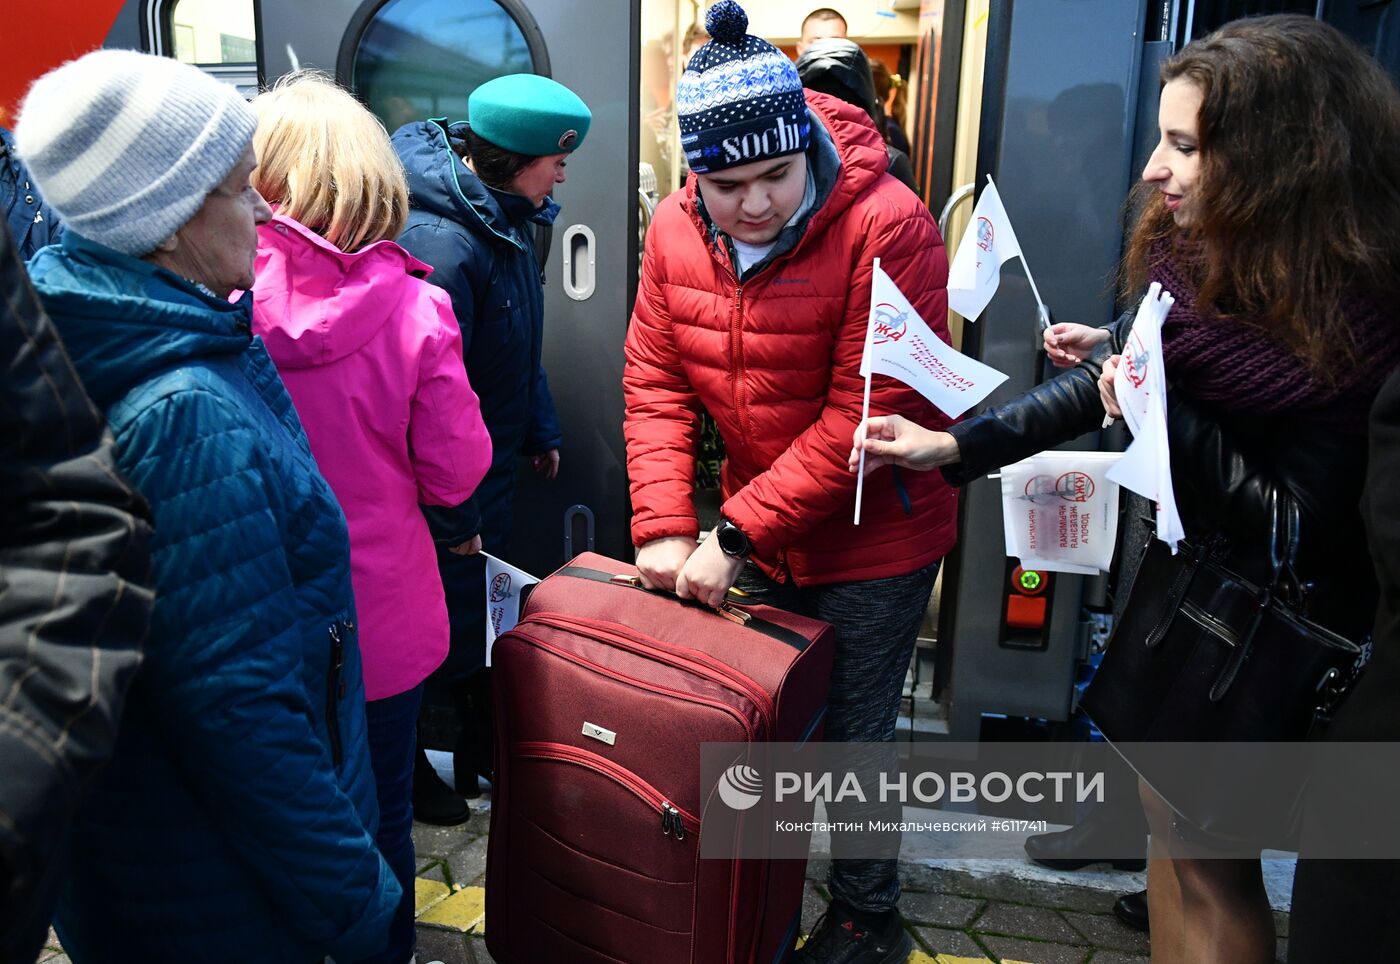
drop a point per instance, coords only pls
(1195, 554)
(1283, 554)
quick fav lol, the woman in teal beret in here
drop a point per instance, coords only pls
(478, 188)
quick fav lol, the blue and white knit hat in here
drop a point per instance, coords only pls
(125, 146)
(740, 99)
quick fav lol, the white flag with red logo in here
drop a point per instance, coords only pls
(503, 585)
(1140, 387)
(1060, 511)
(987, 244)
(899, 344)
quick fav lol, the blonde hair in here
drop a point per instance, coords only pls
(326, 162)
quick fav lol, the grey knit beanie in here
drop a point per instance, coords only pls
(124, 146)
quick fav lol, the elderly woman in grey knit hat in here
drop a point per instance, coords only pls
(236, 820)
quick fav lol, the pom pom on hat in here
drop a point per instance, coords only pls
(125, 146)
(529, 114)
(740, 100)
(727, 23)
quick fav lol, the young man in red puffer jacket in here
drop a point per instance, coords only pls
(753, 305)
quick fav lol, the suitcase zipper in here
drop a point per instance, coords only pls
(740, 718)
(674, 821)
(743, 720)
(699, 663)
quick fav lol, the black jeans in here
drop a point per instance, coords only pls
(876, 622)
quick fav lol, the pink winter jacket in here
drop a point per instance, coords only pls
(372, 358)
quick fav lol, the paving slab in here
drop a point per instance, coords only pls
(428, 894)
(1011, 949)
(467, 867)
(477, 952)
(1107, 931)
(450, 947)
(1012, 890)
(941, 910)
(463, 911)
(433, 870)
(1118, 957)
(944, 942)
(430, 841)
(1019, 920)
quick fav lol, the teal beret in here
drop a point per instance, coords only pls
(528, 114)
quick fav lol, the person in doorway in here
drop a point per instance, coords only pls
(821, 22)
(891, 108)
(236, 819)
(1283, 330)
(753, 305)
(478, 192)
(841, 69)
(356, 331)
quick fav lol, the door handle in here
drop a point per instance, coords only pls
(580, 276)
(578, 526)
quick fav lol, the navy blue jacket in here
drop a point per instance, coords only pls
(479, 242)
(236, 820)
(32, 222)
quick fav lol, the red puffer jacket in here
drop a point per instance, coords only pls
(776, 361)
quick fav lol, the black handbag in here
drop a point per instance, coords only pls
(1203, 655)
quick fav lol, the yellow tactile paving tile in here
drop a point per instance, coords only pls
(463, 911)
(428, 893)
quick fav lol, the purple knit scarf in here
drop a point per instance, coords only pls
(1239, 367)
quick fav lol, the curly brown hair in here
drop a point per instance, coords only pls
(1297, 203)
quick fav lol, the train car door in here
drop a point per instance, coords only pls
(1058, 107)
(409, 59)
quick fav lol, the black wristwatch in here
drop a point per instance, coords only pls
(732, 541)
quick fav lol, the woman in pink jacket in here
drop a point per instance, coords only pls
(372, 357)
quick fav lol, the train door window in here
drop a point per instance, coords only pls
(219, 36)
(412, 59)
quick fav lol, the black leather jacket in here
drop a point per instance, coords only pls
(1226, 469)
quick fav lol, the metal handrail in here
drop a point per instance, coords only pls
(960, 195)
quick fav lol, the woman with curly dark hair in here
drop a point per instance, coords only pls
(1270, 208)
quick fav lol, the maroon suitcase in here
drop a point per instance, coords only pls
(603, 694)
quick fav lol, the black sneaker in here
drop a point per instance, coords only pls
(839, 939)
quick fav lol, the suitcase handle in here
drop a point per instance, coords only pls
(726, 609)
(746, 619)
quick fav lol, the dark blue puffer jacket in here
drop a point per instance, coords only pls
(32, 222)
(481, 247)
(236, 820)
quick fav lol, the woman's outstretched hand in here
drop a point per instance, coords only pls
(1067, 344)
(894, 440)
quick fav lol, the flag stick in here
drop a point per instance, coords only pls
(860, 478)
(1026, 268)
(865, 405)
